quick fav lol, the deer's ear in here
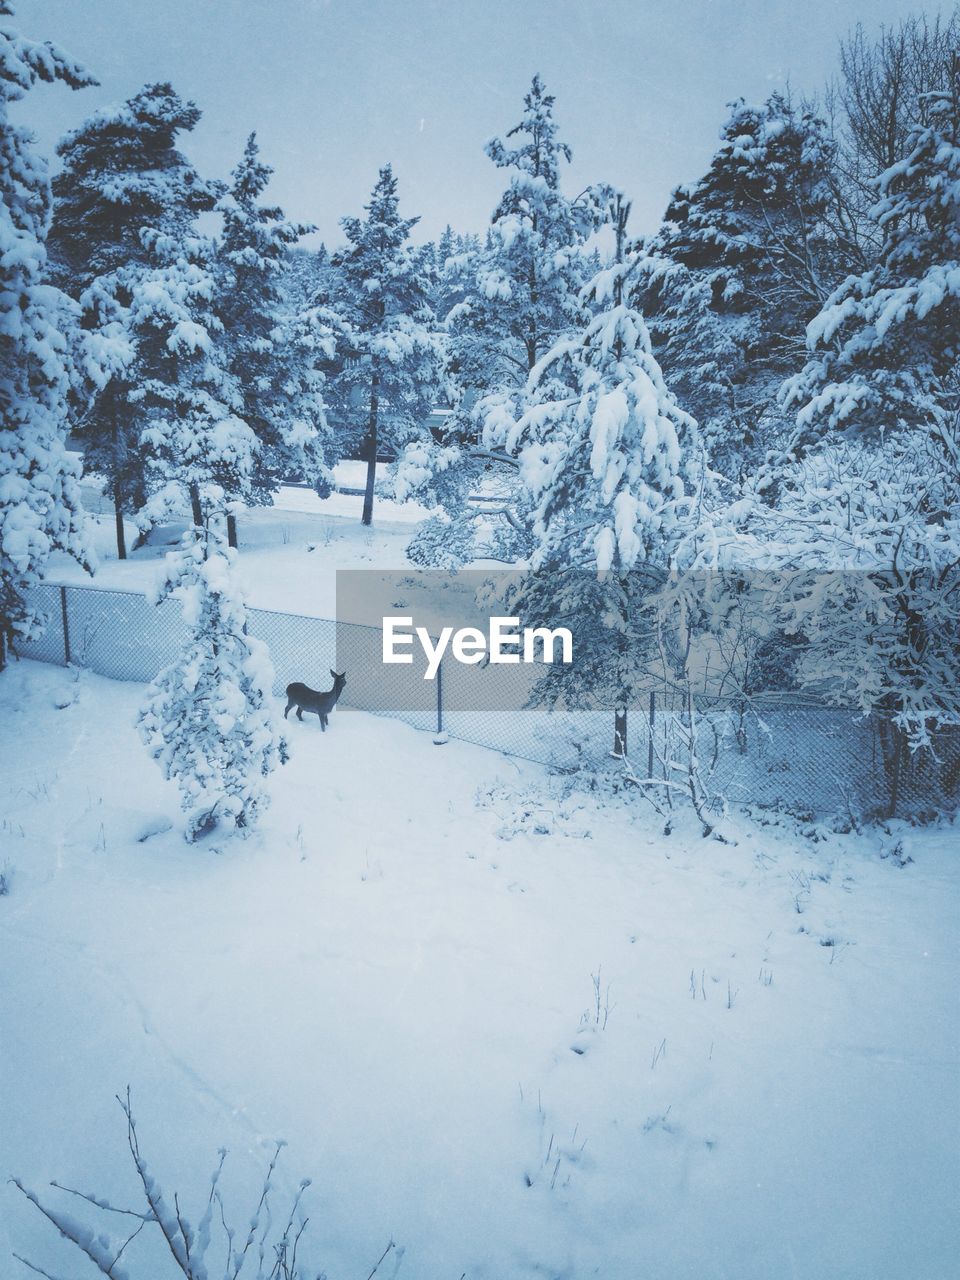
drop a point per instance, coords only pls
(333, 673)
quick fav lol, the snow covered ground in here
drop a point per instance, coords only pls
(396, 974)
(291, 550)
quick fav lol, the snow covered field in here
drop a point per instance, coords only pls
(396, 975)
(291, 550)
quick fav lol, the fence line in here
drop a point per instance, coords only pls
(792, 750)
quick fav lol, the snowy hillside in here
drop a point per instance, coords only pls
(397, 975)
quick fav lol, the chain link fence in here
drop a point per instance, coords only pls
(780, 751)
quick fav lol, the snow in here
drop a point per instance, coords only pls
(395, 973)
(513, 1023)
(290, 551)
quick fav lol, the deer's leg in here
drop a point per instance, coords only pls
(287, 708)
(323, 721)
(299, 713)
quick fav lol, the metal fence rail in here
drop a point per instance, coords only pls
(792, 752)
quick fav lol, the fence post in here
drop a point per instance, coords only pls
(895, 779)
(439, 733)
(653, 709)
(66, 626)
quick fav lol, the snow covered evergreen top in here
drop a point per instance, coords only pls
(197, 446)
(887, 344)
(121, 172)
(743, 260)
(391, 350)
(610, 463)
(273, 350)
(529, 272)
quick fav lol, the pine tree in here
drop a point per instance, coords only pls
(197, 449)
(309, 278)
(391, 370)
(871, 481)
(519, 294)
(273, 351)
(122, 173)
(742, 261)
(605, 463)
(612, 468)
(528, 276)
(446, 248)
(454, 257)
(885, 349)
(880, 93)
(208, 718)
(39, 496)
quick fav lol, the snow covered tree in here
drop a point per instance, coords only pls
(605, 464)
(521, 290)
(191, 436)
(881, 390)
(209, 718)
(878, 96)
(743, 260)
(454, 258)
(529, 273)
(122, 173)
(886, 345)
(309, 278)
(612, 468)
(40, 507)
(391, 369)
(274, 352)
(863, 545)
(445, 249)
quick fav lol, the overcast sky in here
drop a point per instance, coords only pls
(336, 88)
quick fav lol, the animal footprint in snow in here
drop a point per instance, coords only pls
(584, 1040)
(660, 1122)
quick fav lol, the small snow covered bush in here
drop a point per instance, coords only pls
(260, 1251)
(208, 718)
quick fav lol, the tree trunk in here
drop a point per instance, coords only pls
(620, 731)
(367, 517)
(231, 529)
(892, 739)
(694, 783)
(117, 489)
(652, 718)
(121, 535)
(195, 506)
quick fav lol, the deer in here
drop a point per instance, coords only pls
(322, 701)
